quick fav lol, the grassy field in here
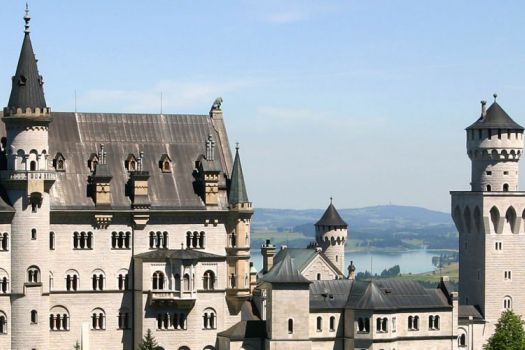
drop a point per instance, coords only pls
(451, 271)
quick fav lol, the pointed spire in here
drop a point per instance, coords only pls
(237, 186)
(331, 217)
(27, 85)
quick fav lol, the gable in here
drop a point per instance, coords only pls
(320, 265)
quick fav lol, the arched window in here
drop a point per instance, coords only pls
(4, 241)
(51, 240)
(33, 233)
(290, 326)
(158, 280)
(3, 323)
(98, 319)
(120, 240)
(208, 280)
(507, 303)
(201, 239)
(505, 187)
(34, 317)
(177, 282)
(318, 276)
(188, 239)
(98, 280)
(72, 280)
(4, 281)
(32, 166)
(33, 274)
(59, 319)
(209, 319)
(332, 323)
(319, 324)
(413, 323)
(122, 280)
(462, 340)
(123, 319)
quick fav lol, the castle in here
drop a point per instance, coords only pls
(113, 224)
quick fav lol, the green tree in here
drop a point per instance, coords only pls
(148, 342)
(509, 333)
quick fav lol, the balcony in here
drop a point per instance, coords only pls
(182, 300)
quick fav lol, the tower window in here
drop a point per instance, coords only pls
(34, 317)
(51, 240)
(499, 134)
(505, 173)
(290, 326)
(489, 173)
(508, 275)
(505, 187)
(507, 303)
(32, 165)
(33, 234)
(489, 188)
(498, 245)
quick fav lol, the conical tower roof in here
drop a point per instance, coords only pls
(27, 85)
(237, 192)
(331, 218)
(495, 118)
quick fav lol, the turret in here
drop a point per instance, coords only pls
(331, 232)
(494, 145)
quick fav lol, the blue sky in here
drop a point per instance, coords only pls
(365, 101)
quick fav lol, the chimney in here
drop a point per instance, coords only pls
(268, 252)
(483, 108)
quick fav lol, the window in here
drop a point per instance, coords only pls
(462, 340)
(489, 188)
(158, 280)
(59, 162)
(51, 240)
(158, 239)
(83, 240)
(33, 275)
(332, 323)
(507, 303)
(165, 163)
(318, 276)
(4, 282)
(497, 245)
(98, 319)
(4, 241)
(3, 323)
(195, 239)
(186, 280)
(123, 319)
(363, 325)
(34, 317)
(382, 324)
(319, 324)
(122, 280)
(121, 240)
(208, 280)
(505, 187)
(59, 319)
(72, 280)
(209, 319)
(413, 323)
(433, 322)
(489, 173)
(290, 326)
(505, 173)
(499, 134)
(32, 166)
(97, 280)
(167, 321)
(508, 275)
(33, 234)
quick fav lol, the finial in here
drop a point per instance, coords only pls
(331, 199)
(237, 146)
(27, 18)
(495, 96)
(483, 108)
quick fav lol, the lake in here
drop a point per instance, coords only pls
(415, 261)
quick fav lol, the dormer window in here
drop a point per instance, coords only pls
(22, 81)
(131, 162)
(93, 161)
(165, 163)
(59, 163)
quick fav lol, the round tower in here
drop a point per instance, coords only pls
(27, 181)
(331, 232)
(494, 145)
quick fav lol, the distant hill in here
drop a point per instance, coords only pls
(385, 227)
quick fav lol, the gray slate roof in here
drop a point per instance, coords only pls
(27, 84)
(330, 294)
(466, 311)
(238, 192)
(180, 254)
(182, 137)
(284, 272)
(331, 218)
(495, 118)
(245, 330)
